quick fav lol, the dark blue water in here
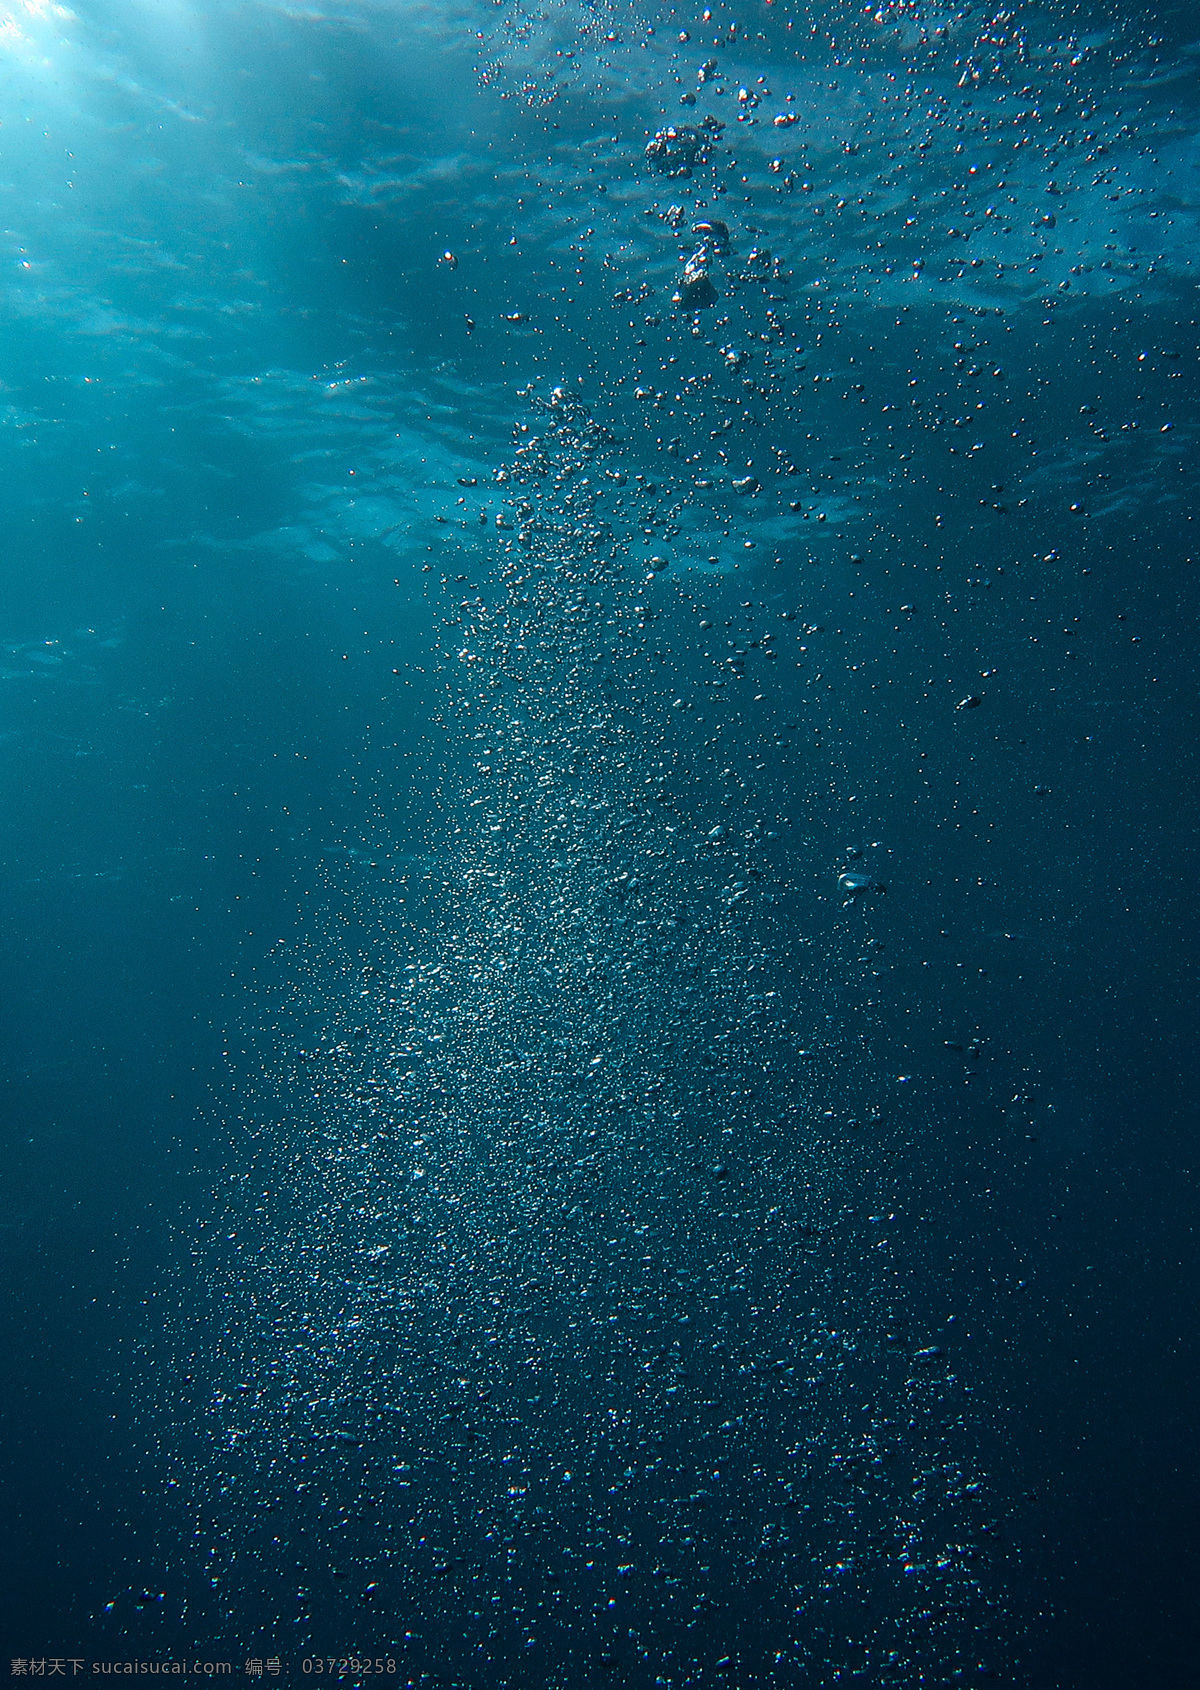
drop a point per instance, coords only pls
(599, 853)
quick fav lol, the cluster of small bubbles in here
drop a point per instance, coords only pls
(526, 1291)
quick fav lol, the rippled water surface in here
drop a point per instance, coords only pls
(597, 687)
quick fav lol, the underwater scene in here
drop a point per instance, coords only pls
(599, 843)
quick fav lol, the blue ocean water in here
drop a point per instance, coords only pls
(599, 845)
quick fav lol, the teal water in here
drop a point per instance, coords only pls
(598, 862)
